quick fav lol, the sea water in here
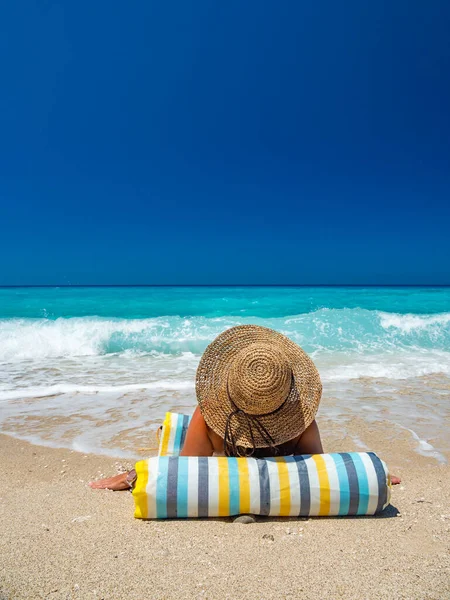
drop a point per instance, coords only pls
(96, 368)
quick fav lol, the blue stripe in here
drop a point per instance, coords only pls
(161, 487)
(172, 488)
(186, 420)
(264, 487)
(203, 486)
(304, 485)
(178, 432)
(363, 484)
(344, 487)
(233, 477)
(353, 483)
(182, 496)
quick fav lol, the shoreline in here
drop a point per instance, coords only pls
(341, 435)
(63, 540)
(118, 423)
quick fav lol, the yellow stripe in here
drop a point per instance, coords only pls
(165, 434)
(388, 491)
(140, 490)
(224, 486)
(324, 484)
(244, 486)
(285, 490)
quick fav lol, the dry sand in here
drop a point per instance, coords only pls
(60, 539)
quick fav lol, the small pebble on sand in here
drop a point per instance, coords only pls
(245, 519)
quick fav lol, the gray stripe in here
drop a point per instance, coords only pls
(353, 483)
(203, 487)
(172, 482)
(184, 430)
(264, 487)
(381, 477)
(305, 488)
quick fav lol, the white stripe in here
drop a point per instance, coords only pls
(373, 483)
(386, 472)
(274, 479)
(152, 467)
(213, 487)
(173, 427)
(253, 476)
(335, 490)
(294, 484)
(314, 486)
(192, 506)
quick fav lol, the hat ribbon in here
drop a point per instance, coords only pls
(229, 443)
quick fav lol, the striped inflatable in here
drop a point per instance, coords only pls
(169, 486)
(173, 433)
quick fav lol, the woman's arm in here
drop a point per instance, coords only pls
(197, 442)
(310, 442)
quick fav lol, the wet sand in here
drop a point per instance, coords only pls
(61, 540)
(117, 424)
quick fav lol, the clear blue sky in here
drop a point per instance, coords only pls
(225, 142)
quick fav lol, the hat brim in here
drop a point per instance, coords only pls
(288, 422)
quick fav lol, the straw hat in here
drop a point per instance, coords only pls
(253, 381)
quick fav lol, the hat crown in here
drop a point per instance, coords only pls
(259, 379)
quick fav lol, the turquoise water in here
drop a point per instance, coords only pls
(263, 302)
(80, 355)
(39, 322)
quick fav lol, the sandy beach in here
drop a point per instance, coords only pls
(62, 540)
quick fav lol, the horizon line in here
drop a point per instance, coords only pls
(311, 285)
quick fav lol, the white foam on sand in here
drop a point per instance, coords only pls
(424, 447)
(59, 390)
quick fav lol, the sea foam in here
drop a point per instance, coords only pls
(324, 329)
(58, 390)
(409, 322)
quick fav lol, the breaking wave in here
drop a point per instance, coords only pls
(323, 330)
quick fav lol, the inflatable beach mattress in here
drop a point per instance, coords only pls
(337, 484)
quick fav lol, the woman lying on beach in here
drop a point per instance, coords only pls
(258, 394)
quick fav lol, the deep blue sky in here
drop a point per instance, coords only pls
(225, 142)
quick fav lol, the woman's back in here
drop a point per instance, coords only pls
(201, 440)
